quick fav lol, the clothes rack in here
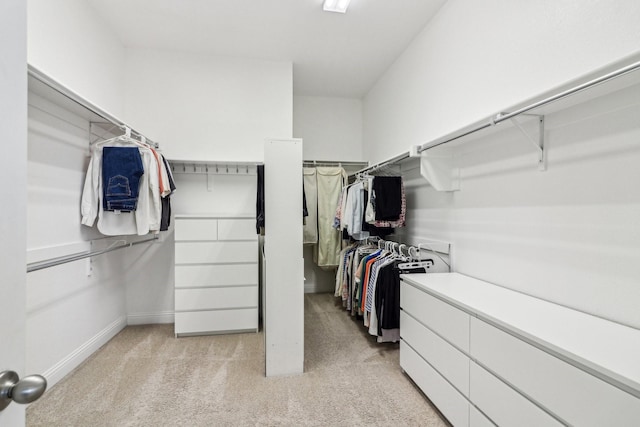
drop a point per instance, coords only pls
(504, 116)
(49, 88)
(333, 163)
(213, 167)
(52, 262)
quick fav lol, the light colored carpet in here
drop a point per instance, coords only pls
(146, 377)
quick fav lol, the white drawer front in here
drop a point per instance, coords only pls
(446, 320)
(451, 403)
(216, 321)
(216, 275)
(215, 298)
(504, 405)
(196, 229)
(237, 229)
(476, 419)
(215, 252)
(573, 395)
(446, 359)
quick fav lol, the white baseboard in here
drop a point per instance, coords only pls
(79, 355)
(150, 318)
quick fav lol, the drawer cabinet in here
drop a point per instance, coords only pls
(574, 395)
(504, 405)
(449, 361)
(216, 275)
(514, 359)
(448, 400)
(442, 318)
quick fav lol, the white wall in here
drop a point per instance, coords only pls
(569, 234)
(207, 107)
(475, 58)
(71, 43)
(330, 127)
(67, 310)
(13, 171)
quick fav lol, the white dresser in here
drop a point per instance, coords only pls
(216, 274)
(487, 355)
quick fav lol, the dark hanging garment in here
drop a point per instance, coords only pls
(165, 220)
(388, 191)
(260, 201)
(305, 211)
(372, 229)
(121, 171)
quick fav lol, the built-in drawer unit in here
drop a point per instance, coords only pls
(477, 419)
(504, 405)
(515, 359)
(575, 396)
(442, 318)
(216, 275)
(442, 356)
(448, 400)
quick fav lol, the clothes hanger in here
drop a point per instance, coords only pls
(415, 261)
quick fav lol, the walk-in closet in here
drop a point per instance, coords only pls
(320, 213)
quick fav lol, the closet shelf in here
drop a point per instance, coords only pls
(48, 88)
(528, 117)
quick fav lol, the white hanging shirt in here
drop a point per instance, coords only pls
(148, 213)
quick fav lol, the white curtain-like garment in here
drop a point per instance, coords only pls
(330, 181)
(311, 195)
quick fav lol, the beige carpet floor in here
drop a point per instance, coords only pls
(146, 377)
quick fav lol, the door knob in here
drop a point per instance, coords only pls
(25, 390)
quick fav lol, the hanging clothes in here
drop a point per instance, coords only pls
(147, 215)
(260, 201)
(121, 172)
(310, 231)
(165, 220)
(368, 282)
(330, 181)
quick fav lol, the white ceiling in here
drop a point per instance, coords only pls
(333, 54)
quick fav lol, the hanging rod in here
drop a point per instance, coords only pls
(83, 102)
(312, 163)
(381, 165)
(52, 262)
(501, 117)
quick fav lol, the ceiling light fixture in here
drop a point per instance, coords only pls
(339, 6)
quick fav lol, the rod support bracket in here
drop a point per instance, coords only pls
(536, 140)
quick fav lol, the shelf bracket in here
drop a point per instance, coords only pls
(539, 144)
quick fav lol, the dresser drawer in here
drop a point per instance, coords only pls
(573, 395)
(215, 252)
(216, 321)
(449, 401)
(193, 276)
(196, 229)
(446, 359)
(504, 405)
(444, 319)
(237, 229)
(216, 298)
(476, 419)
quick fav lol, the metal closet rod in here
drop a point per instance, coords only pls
(52, 262)
(382, 164)
(71, 95)
(506, 116)
(333, 163)
(501, 117)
